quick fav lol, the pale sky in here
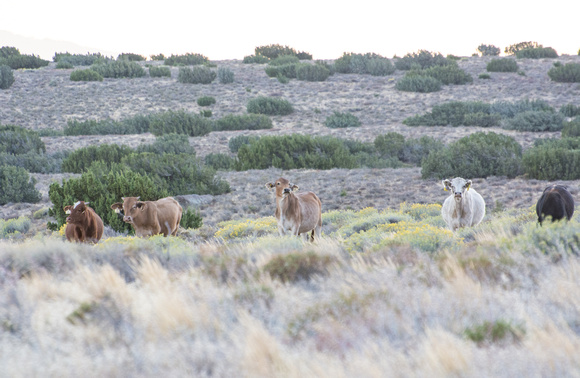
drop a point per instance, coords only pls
(230, 29)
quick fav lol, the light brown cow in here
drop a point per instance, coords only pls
(150, 217)
(82, 223)
(298, 213)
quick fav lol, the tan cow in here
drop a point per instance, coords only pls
(150, 217)
(298, 213)
(82, 223)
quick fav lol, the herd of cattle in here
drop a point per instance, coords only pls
(297, 213)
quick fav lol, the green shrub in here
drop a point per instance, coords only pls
(283, 60)
(552, 161)
(23, 61)
(448, 74)
(102, 185)
(243, 122)
(191, 219)
(119, 69)
(484, 76)
(64, 65)
(157, 57)
(205, 113)
(220, 161)
(571, 129)
(269, 106)
(296, 266)
(502, 65)
(17, 186)
(205, 101)
(18, 140)
(510, 109)
(295, 152)
(569, 73)
(535, 121)
(570, 110)
(131, 57)
(512, 49)
(138, 124)
(168, 144)
(225, 75)
(312, 72)
(415, 150)
(188, 59)
(380, 67)
(416, 83)
(488, 50)
(342, 120)
(196, 75)
(273, 51)
(537, 53)
(390, 144)
(12, 227)
(236, 142)
(85, 75)
(258, 59)
(81, 159)
(477, 155)
(424, 59)
(494, 332)
(79, 59)
(159, 71)
(179, 122)
(34, 161)
(6, 77)
(451, 113)
(368, 63)
(8, 51)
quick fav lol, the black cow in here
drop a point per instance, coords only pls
(557, 202)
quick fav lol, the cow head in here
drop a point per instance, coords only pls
(282, 186)
(76, 212)
(131, 207)
(457, 186)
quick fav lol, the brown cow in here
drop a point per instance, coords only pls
(298, 213)
(82, 223)
(150, 217)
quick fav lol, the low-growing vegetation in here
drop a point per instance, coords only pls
(502, 65)
(269, 106)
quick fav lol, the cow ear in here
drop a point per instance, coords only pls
(294, 187)
(468, 184)
(117, 207)
(270, 185)
(446, 184)
(67, 209)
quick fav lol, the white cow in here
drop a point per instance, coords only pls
(464, 207)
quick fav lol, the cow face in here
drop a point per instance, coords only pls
(282, 186)
(130, 208)
(457, 186)
(76, 212)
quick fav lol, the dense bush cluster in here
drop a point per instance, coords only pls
(513, 49)
(85, 75)
(422, 59)
(537, 53)
(236, 142)
(131, 57)
(535, 120)
(418, 83)
(225, 75)
(570, 110)
(341, 120)
(275, 50)
(269, 106)
(81, 159)
(118, 69)
(488, 50)
(79, 59)
(188, 59)
(312, 72)
(180, 122)
(431, 78)
(368, 63)
(502, 65)
(568, 73)
(6, 77)
(17, 186)
(159, 71)
(11, 57)
(205, 101)
(258, 59)
(138, 124)
(553, 159)
(477, 155)
(168, 144)
(196, 75)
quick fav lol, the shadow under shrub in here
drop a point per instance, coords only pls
(477, 155)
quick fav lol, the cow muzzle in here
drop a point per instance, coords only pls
(128, 219)
(458, 196)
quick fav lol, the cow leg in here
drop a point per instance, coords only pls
(281, 231)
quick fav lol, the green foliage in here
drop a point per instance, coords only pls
(448, 74)
(512, 49)
(196, 75)
(494, 332)
(79, 59)
(205, 101)
(510, 109)
(502, 65)
(283, 60)
(18, 140)
(537, 53)
(273, 51)
(191, 219)
(85, 75)
(188, 59)
(243, 122)
(119, 69)
(8, 51)
(569, 73)
(284, 65)
(417, 83)
(157, 57)
(205, 113)
(390, 144)
(269, 106)
(14, 227)
(33, 161)
(6, 77)
(138, 124)
(342, 120)
(312, 72)
(17, 186)
(488, 50)
(17, 61)
(535, 121)
(484, 76)
(477, 155)
(102, 186)
(296, 266)
(168, 144)
(236, 142)
(64, 65)
(131, 57)
(415, 150)
(81, 159)
(571, 129)
(557, 159)
(258, 59)
(220, 161)
(225, 75)
(159, 71)
(369, 63)
(423, 59)
(179, 122)
(570, 110)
